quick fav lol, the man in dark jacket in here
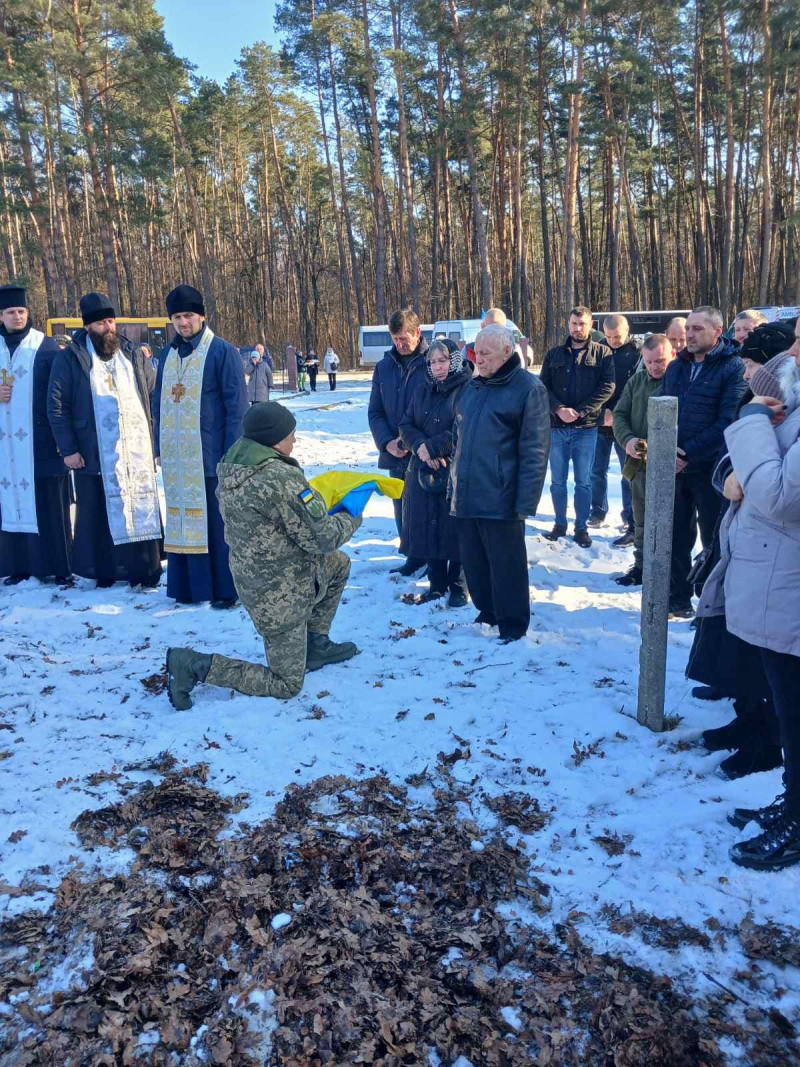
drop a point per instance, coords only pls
(625, 350)
(502, 433)
(394, 381)
(99, 410)
(579, 378)
(707, 378)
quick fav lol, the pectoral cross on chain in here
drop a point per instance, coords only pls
(7, 379)
(111, 381)
(178, 392)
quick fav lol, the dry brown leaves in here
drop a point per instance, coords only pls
(394, 946)
(778, 944)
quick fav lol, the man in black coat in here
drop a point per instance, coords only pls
(99, 410)
(395, 380)
(579, 378)
(626, 356)
(502, 432)
(708, 379)
(35, 527)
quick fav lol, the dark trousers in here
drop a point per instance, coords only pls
(445, 574)
(312, 380)
(496, 568)
(602, 459)
(783, 674)
(696, 503)
(332, 381)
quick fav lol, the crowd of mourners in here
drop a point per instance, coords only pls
(85, 424)
(471, 433)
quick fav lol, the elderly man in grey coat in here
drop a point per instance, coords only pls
(756, 584)
(502, 430)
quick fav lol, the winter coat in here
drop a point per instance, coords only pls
(46, 461)
(429, 531)
(709, 403)
(502, 445)
(278, 531)
(626, 360)
(260, 381)
(223, 401)
(330, 363)
(630, 414)
(70, 406)
(312, 364)
(756, 583)
(583, 381)
(394, 382)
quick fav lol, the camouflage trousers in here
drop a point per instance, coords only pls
(286, 651)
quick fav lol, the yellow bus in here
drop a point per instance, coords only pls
(155, 332)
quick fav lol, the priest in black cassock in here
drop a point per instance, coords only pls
(99, 409)
(35, 528)
(198, 405)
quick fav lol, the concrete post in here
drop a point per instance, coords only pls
(662, 445)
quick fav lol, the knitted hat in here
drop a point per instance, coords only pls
(766, 380)
(185, 298)
(94, 307)
(768, 340)
(13, 296)
(268, 423)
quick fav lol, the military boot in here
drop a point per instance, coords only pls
(185, 669)
(322, 651)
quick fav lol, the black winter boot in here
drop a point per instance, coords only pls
(765, 817)
(628, 538)
(185, 669)
(322, 651)
(753, 758)
(555, 533)
(735, 734)
(457, 598)
(707, 692)
(411, 566)
(774, 849)
(582, 538)
(631, 577)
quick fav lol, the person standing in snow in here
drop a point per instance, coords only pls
(312, 367)
(502, 430)
(258, 377)
(707, 378)
(395, 380)
(330, 364)
(630, 431)
(285, 558)
(429, 531)
(35, 528)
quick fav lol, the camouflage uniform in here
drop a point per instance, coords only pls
(285, 564)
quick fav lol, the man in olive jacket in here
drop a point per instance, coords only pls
(502, 431)
(285, 562)
(630, 431)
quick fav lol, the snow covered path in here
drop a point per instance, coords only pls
(553, 715)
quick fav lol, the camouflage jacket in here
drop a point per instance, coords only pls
(278, 531)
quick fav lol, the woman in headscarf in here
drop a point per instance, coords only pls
(426, 429)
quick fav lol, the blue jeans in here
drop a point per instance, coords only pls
(602, 459)
(576, 445)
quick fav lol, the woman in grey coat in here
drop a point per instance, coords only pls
(259, 378)
(756, 584)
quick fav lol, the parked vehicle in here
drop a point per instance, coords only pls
(156, 332)
(464, 331)
(373, 341)
(642, 322)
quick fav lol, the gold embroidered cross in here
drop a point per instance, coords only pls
(8, 379)
(178, 392)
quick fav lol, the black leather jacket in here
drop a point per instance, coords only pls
(502, 431)
(583, 381)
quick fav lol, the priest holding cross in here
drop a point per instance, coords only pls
(35, 528)
(99, 409)
(198, 405)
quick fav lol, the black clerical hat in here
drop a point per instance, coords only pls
(13, 296)
(96, 306)
(185, 298)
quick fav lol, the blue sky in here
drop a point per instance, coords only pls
(211, 33)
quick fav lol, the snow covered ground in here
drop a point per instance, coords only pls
(553, 715)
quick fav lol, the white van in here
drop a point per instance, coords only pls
(373, 341)
(464, 331)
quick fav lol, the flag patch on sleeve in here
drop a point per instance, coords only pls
(313, 503)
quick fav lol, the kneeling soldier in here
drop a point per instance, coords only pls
(286, 567)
